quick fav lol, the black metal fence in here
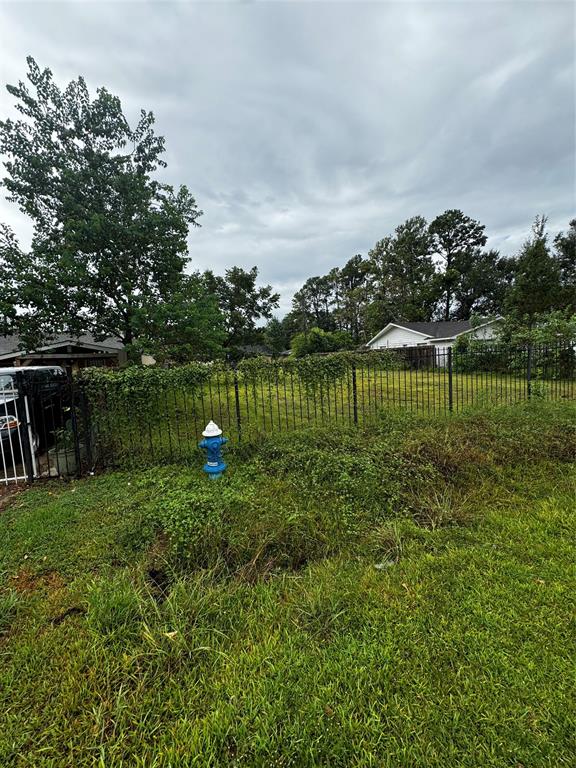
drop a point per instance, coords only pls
(163, 423)
(153, 416)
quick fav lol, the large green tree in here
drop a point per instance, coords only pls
(186, 325)
(536, 286)
(351, 288)
(565, 254)
(457, 241)
(109, 239)
(482, 285)
(276, 336)
(402, 275)
(313, 304)
(243, 303)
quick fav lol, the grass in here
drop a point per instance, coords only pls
(402, 596)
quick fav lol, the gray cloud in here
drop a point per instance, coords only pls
(307, 131)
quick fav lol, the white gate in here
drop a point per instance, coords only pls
(17, 455)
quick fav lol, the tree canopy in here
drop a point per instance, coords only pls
(109, 239)
(243, 303)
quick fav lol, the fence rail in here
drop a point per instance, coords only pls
(154, 416)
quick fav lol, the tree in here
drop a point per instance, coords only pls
(457, 242)
(565, 254)
(482, 285)
(242, 303)
(185, 326)
(313, 303)
(108, 239)
(402, 275)
(10, 266)
(352, 288)
(536, 284)
(276, 336)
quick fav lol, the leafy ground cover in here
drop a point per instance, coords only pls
(402, 596)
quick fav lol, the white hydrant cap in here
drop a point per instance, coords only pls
(212, 430)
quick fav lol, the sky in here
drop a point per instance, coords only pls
(307, 131)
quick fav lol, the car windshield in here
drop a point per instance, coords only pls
(6, 381)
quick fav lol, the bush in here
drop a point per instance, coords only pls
(316, 340)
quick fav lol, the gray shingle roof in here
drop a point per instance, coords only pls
(439, 330)
(9, 344)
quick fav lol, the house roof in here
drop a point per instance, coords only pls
(443, 329)
(9, 345)
(439, 330)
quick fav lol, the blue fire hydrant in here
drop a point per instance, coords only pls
(212, 443)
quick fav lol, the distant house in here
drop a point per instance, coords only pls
(71, 352)
(440, 335)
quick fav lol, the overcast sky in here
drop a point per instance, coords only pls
(307, 131)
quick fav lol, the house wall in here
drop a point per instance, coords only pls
(441, 348)
(485, 334)
(398, 337)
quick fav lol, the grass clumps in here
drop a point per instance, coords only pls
(319, 492)
(399, 596)
(114, 605)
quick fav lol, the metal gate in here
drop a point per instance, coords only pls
(39, 426)
(17, 445)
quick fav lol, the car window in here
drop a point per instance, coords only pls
(6, 381)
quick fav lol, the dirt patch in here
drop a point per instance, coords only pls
(28, 581)
(74, 610)
(8, 492)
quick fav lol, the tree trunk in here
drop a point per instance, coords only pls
(448, 287)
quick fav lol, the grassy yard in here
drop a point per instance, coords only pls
(398, 596)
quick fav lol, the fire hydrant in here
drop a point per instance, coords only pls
(212, 443)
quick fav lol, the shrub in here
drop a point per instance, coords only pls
(316, 340)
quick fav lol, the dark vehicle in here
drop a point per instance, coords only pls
(45, 408)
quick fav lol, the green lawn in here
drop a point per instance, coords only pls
(398, 596)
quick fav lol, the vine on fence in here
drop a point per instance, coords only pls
(136, 387)
(136, 381)
(315, 371)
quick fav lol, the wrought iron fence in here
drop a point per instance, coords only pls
(163, 423)
(60, 427)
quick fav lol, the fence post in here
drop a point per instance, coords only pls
(23, 415)
(74, 420)
(529, 371)
(450, 382)
(237, 403)
(87, 426)
(354, 394)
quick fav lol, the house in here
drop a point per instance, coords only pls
(441, 335)
(67, 351)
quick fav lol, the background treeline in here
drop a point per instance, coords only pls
(436, 271)
(109, 252)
